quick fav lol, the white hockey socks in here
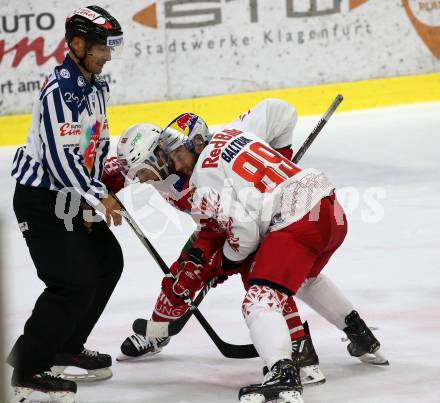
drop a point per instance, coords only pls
(322, 295)
(263, 311)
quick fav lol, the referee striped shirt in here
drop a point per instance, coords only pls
(68, 141)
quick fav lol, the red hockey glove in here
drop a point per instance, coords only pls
(175, 267)
(221, 267)
(286, 152)
(112, 176)
(188, 280)
(210, 237)
(168, 305)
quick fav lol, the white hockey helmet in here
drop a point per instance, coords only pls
(185, 130)
(137, 146)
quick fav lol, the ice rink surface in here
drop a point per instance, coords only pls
(386, 166)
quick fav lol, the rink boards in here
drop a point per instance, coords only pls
(221, 109)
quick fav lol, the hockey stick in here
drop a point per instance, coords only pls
(322, 122)
(174, 327)
(227, 349)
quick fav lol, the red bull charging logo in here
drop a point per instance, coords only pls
(184, 123)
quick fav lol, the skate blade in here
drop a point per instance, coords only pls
(375, 358)
(290, 396)
(62, 397)
(144, 357)
(253, 398)
(91, 375)
(312, 375)
(20, 395)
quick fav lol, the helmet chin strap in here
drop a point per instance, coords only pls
(163, 167)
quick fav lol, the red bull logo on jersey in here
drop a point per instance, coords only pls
(219, 140)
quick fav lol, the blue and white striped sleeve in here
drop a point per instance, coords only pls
(60, 131)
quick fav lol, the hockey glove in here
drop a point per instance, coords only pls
(286, 152)
(188, 278)
(112, 176)
(221, 267)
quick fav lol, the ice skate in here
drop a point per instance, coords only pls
(137, 347)
(363, 344)
(304, 354)
(96, 366)
(58, 389)
(282, 383)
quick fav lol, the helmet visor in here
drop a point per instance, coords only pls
(109, 49)
(116, 45)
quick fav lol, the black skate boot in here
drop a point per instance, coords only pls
(59, 390)
(282, 383)
(306, 359)
(96, 365)
(137, 347)
(363, 344)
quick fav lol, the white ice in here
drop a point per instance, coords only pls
(386, 165)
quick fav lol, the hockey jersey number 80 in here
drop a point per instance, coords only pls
(250, 189)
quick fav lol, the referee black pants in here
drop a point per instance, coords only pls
(80, 269)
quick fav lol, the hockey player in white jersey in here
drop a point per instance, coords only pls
(292, 217)
(274, 120)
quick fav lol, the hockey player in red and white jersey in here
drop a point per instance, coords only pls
(274, 120)
(291, 219)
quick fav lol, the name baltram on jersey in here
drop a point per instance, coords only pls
(68, 141)
(272, 120)
(250, 189)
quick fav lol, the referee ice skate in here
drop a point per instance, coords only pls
(59, 170)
